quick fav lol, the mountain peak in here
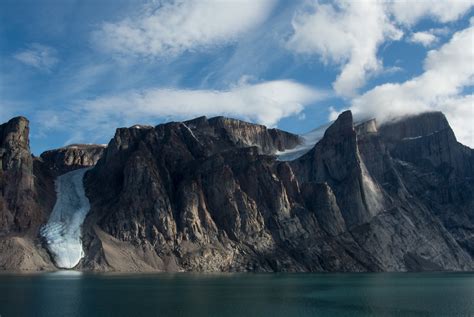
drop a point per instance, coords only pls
(344, 125)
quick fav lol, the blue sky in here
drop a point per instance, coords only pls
(80, 69)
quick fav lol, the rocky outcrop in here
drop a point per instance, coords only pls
(243, 134)
(27, 194)
(17, 200)
(72, 157)
(336, 160)
(210, 195)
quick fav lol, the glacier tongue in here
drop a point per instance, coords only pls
(62, 232)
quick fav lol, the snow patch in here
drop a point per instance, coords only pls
(309, 141)
(140, 126)
(412, 138)
(419, 136)
(191, 132)
(62, 232)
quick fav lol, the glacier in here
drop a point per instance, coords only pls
(62, 232)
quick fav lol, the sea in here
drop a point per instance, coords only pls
(72, 293)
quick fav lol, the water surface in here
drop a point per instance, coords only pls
(388, 294)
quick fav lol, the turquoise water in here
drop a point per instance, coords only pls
(388, 294)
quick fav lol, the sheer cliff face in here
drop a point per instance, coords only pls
(210, 195)
(27, 194)
(17, 202)
(437, 170)
(25, 200)
(207, 195)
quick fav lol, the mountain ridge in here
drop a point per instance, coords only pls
(210, 195)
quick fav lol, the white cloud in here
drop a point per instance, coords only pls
(264, 103)
(409, 12)
(347, 33)
(460, 113)
(441, 31)
(39, 56)
(178, 26)
(423, 38)
(447, 72)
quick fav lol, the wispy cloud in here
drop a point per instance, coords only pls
(265, 103)
(346, 33)
(170, 28)
(38, 56)
(429, 37)
(410, 12)
(447, 72)
(423, 38)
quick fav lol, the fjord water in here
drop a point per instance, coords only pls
(71, 293)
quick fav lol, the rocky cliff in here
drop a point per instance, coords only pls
(72, 157)
(25, 199)
(207, 195)
(27, 194)
(210, 195)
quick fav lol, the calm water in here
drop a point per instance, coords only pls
(75, 294)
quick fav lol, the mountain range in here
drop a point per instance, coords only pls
(224, 195)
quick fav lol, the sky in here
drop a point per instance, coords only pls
(79, 69)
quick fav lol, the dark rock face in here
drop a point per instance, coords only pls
(336, 159)
(438, 169)
(17, 200)
(209, 195)
(428, 140)
(206, 195)
(25, 199)
(187, 190)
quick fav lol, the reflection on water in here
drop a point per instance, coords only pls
(64, 274)
(71, 293)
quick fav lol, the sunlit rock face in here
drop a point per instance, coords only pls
(63, 229)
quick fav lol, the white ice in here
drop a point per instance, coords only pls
(63, 229)
(309, 141)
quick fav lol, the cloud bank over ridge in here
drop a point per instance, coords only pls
(265, 103)
(447, 72)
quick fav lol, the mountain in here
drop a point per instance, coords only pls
(221, 194)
